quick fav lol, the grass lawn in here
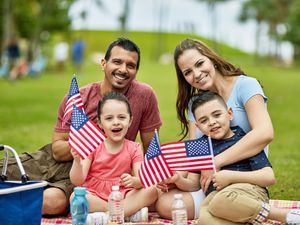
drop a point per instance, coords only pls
(29, 106)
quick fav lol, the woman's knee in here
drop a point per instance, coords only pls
(163, 206)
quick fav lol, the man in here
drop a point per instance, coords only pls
(120, 66)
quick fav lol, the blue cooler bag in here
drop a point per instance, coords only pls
(20, 201)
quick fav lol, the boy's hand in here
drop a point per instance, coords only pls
(205, 179)
(222, 179)
(127, 180)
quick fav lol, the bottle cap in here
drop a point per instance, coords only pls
(115, 188)
(80, 190)
(176, 196)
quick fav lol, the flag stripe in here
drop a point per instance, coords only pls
(154, 168)
(74, 98)
(84, 136)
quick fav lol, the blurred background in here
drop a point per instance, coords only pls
(45, 42)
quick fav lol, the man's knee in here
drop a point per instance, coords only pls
(54, 202)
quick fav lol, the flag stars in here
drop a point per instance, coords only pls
(73, 88)
(197, 147)
(78, 118)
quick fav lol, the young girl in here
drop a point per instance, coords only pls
(113, 162)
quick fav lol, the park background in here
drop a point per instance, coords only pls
(29, 105)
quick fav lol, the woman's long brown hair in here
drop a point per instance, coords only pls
(185, 90)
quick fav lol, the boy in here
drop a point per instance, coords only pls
(238, 194)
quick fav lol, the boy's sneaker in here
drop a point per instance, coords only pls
(97, 218)
(139, 216)
(293, 217)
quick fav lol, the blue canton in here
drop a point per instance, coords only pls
(153, 149)
(199, 147)
(73, 88)
(79, 119)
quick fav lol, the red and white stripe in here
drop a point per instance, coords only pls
(75, 99)
(86, 140)
(154, 171)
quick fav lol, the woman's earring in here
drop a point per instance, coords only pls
(216, 66)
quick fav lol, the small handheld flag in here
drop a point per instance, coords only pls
(73, 98)
(192, 155)
(84, 135)
(154, 168)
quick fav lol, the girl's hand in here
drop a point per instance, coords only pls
(75, 155)
(205, 179)
(127, 180)
(222, 179)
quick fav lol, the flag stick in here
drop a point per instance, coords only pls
(211, 152)
(156, 133)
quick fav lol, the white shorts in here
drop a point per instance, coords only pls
(198, 197)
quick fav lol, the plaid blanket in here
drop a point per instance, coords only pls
(154, 218)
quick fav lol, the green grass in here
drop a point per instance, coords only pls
(29, 106)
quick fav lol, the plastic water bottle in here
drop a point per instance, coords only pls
(179, 213)
(116, 206)
(79, 206)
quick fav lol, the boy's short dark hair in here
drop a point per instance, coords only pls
(113, 96)
(125, 44)
(204, 97)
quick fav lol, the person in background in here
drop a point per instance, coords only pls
(53, 161)
(61, 54)
(198, 69)
(238, 193)
(78, 54)
(113, 162)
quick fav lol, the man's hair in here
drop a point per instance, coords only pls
(125, 44)
(113, 96)
(204, 97)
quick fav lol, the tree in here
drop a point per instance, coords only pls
(211, 5)
(30, 18)
(293, 31)
(271, 12)
(124, 17)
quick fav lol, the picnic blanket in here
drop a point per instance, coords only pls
(154, 218)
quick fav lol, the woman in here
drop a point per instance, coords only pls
(198, 69)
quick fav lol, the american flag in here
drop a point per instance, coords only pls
(154, 168)
(73, 98)
(84, 135)
(192, 155)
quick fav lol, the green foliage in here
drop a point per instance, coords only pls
(293, 34)
(29, 106)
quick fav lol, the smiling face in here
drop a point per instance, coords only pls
(213, 119)
(120, 69)
(197, 69)
(115, 119)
